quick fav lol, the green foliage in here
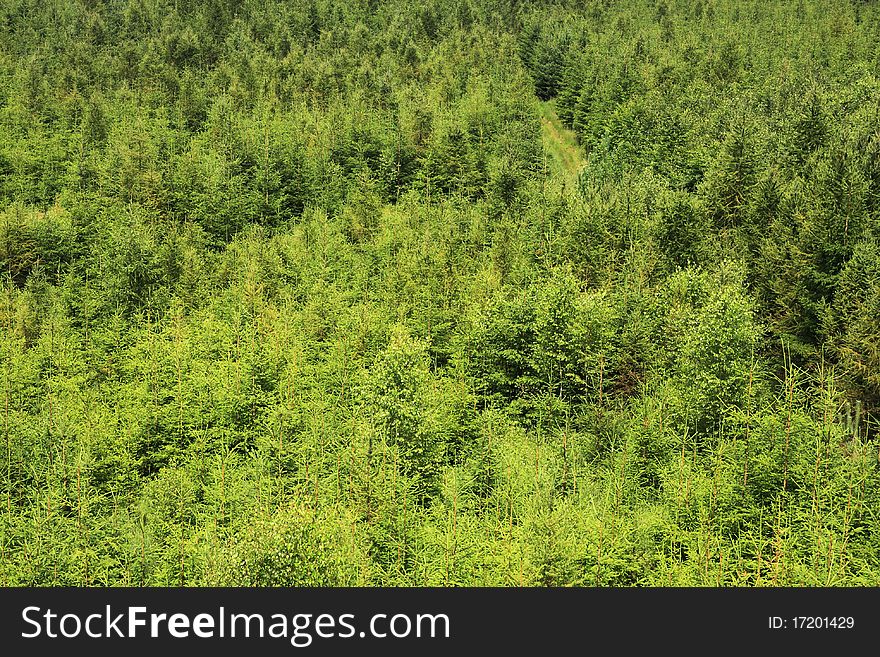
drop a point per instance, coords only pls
(400, 381)
(716, 363)
(32, 241)
(322, 293)
(285, 549)
(853, 318)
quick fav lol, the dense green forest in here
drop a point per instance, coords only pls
(440, 292)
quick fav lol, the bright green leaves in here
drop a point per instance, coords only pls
(399, 386)
(362, 210)
(399, 379)
(293, 295)
(427, 420)
(291, 547)
(709, 341)
(573, 338)
(554, 341)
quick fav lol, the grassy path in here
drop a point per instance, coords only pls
(565, 156)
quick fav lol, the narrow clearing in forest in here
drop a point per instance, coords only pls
(561, 144)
